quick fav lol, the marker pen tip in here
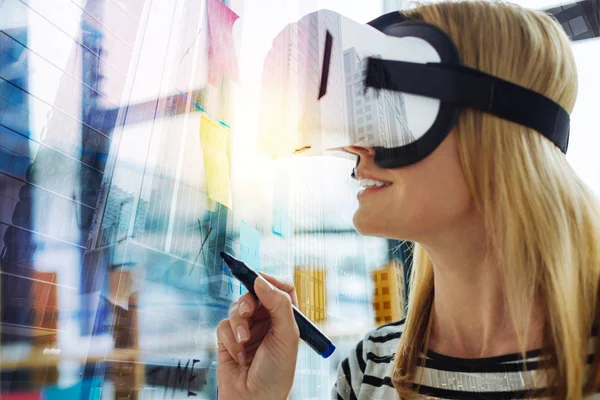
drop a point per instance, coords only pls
(227, 257)
(328, 351)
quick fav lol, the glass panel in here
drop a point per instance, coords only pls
(127, 163)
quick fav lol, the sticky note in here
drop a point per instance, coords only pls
(21, 396)
(250, 245)
(221, 49)
(86, 388)
(214, 140)
(122, 285)
(58, 393)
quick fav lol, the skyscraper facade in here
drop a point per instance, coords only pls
(373, 116)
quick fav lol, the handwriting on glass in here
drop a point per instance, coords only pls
(161, 376)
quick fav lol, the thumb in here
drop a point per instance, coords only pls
(279, 305)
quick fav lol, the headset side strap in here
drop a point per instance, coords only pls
(467, 87)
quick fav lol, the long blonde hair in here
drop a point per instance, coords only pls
(543, 222)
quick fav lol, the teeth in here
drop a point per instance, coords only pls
(367, 183)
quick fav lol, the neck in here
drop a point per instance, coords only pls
(470, 313)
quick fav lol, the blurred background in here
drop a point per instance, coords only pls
(129, 138)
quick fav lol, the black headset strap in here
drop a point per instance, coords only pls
(382, 22)
(468, 87)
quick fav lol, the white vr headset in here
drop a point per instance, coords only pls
(396, 86)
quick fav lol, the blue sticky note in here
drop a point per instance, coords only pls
(59, 393)
(250, 246)
(85, 389)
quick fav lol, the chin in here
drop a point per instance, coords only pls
(368, 226)
(371, 225)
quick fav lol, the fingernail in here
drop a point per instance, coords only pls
(244, 307)
(242, 333)
(242, 357)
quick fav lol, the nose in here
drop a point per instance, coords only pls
(361, 151)
(365, 152)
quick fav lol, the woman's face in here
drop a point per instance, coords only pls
(424, 199)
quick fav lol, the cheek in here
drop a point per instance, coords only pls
(438, 200)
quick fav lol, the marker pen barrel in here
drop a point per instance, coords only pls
(308, 331)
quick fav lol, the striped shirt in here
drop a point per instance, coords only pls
(366, 373)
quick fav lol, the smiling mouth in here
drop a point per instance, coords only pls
(371, 189)
(365, 184)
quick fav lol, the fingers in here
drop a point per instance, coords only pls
(228, 347)
(239, 314)
(257, 335)
(251, 319)
(279, 305)
(247, 305)
(283, 284)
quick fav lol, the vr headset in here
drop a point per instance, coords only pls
(392, 85)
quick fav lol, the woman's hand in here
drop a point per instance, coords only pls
(258, 343)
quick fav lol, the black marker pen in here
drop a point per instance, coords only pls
(308, 331)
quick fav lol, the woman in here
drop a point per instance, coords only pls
(504, 290)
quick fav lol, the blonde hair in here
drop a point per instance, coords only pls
(543, 223)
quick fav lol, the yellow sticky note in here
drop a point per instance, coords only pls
(213, 138)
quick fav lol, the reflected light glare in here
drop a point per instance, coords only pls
(353, 286)
(51, 352)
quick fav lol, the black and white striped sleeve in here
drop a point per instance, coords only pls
(350, 375)
(366, 373)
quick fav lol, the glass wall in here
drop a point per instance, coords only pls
(128, 162)
(129, 158)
